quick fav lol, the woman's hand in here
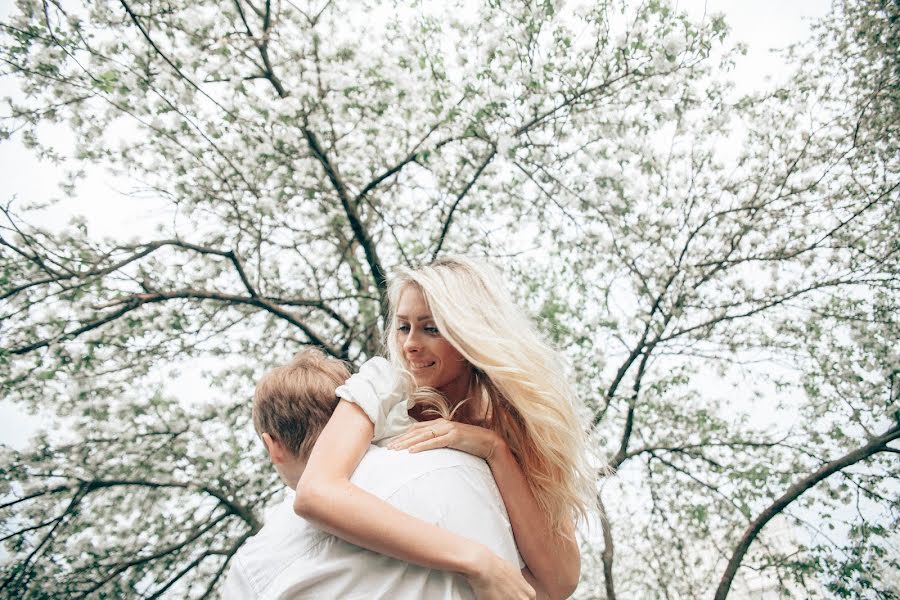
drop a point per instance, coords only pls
(441, 433)
(496, 579)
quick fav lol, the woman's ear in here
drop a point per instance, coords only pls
(275, 448)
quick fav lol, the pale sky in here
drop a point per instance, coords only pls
(761, 24)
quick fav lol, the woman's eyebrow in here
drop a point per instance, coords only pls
(421, 318)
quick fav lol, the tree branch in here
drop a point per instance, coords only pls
(608, 552)
(412, 157)
(359, 231)
(168, 61)
(229, 554)
(55, 490)
(446, 226)
(135, 301)
(874, 446)
(124, 566)
(629, 418)
(688, 447)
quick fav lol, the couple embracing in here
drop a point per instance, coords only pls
(457, 468)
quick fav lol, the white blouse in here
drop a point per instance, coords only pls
(378, 389)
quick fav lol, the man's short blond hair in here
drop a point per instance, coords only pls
(293, 402)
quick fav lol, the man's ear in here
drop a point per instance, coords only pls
(276, 450)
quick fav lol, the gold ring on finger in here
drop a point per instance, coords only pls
(433, 433)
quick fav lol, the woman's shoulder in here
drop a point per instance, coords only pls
(376, 363)
(376, 374)
(378, 389)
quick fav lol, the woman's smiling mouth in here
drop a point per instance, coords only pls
(419, 366)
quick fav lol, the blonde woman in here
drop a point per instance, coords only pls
(459, 347)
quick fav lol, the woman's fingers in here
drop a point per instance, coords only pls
(405, 437)
(472, 439)
(419, 432)
(414, 437)
(406, 442)
(439, 423)
(400, 440)
(431, 444)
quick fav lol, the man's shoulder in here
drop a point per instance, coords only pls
(451, 489)
(282, 528)
(426, 461)
(283, 539)
(402, 466)
(383, 468)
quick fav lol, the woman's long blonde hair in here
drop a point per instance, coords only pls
(522, 379)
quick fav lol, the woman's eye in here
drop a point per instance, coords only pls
(403, 328)
(431, 329)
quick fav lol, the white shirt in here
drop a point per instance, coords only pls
(290, 559)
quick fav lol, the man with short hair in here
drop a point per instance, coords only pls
(289, 558)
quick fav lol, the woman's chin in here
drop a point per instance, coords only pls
(422, 381)
(423, 377)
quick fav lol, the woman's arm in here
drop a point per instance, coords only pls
(326, 497)
(553, 560)
(539, 593)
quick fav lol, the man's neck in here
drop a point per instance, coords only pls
(290, 472)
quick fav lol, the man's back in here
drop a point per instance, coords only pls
(290, 559)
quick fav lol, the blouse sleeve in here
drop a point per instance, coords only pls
(378, 390)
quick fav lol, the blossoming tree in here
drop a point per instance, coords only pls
(700, 257)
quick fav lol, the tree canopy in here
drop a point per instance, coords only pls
(720, 270)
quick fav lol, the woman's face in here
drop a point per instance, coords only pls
(431, 359)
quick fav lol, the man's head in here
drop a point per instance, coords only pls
(291, 406)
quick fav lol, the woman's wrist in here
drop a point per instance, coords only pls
(474, 560)
(497, 449)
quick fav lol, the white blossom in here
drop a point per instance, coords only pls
(674, 43)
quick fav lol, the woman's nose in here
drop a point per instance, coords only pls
(411, 343)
